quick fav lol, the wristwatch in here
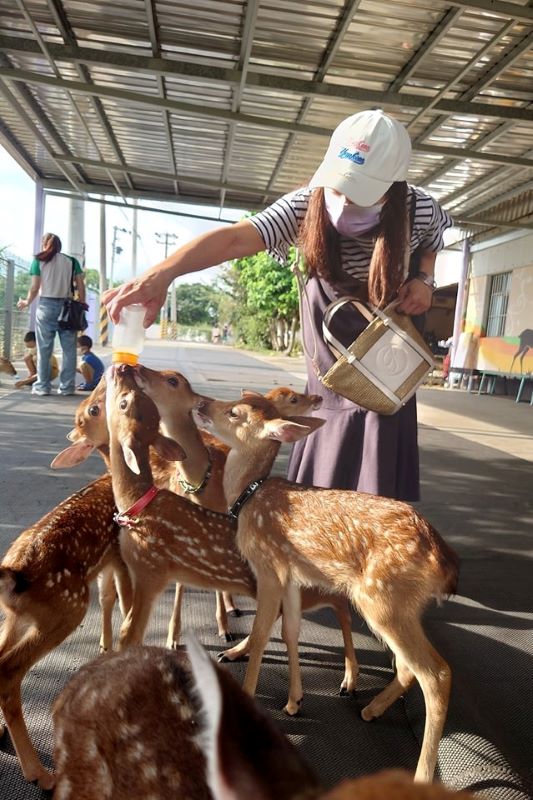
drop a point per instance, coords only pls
(429, 280)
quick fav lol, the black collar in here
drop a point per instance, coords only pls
(234, 510)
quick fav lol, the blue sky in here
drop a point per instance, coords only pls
(17, 203)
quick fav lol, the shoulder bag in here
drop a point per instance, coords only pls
(384, 365)
(72, 316)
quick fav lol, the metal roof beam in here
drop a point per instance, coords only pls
(521, 13)
(69, 37)
(256, 80)
(17, 151)
(247, 41)
(153, 31)
(61, 188)
(434, 38)
(154, 173)
(307, 87)
(343, 23)
(17, 107)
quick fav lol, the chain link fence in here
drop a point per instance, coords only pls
(14, 283)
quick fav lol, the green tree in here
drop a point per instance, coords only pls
(197, 304)
(267, 297)
(92, 279)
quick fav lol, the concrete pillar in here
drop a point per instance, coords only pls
(38, 230)
(76, 230)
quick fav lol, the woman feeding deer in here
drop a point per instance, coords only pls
(362, 231)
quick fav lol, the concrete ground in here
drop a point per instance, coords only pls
(476, 455)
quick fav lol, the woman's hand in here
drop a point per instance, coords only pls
(414, 297)
(150, 290)
(22, 304)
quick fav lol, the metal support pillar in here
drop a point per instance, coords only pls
(38, 230)
(9, 302)
(459, 304)
(76, 229)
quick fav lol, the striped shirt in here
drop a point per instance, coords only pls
(279, 224)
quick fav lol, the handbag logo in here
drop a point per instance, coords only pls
(392, 360)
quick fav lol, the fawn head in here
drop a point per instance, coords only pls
(133, 419)
(290, 403)
(170, 390)
(89, 432)
(7, 367)
(251, 419)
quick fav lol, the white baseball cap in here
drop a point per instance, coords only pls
(367, 152)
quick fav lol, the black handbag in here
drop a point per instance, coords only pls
(72, 316)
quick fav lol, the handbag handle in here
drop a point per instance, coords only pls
(304, 298)
(375, 313)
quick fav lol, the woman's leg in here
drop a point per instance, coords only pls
(67, 376)
(45, 331)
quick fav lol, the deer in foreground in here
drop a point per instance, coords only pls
(199, 476)
(44, 593)
(172, 538)
(200, 737)
(380, 553)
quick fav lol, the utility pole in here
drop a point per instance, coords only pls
(167, 239)
(115, 250)
(104, 322)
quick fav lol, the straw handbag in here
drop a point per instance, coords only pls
(385, 364)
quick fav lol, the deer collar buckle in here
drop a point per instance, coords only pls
(235, 509)
(190, 488)
(130, 518)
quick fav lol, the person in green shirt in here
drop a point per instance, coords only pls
(52, 273)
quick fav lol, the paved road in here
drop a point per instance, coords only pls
(477, 489)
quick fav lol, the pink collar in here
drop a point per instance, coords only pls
(129, 518)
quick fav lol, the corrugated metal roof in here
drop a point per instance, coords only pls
(230, 103)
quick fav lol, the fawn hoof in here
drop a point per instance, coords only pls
(45, 780)
(345, 692)
(367, 714)
(293, 707)
(227, 636)
(2, 730)
(223, 658)
(172, 644)
(235, 612)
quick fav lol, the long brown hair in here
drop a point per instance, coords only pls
(319, 243)
(52, 246)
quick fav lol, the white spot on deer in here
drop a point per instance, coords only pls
(136, 752)
(149, 772)
(129, 731)
(412, 546)
(63, 789)
(369, 582)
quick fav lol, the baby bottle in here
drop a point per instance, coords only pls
(128, 336)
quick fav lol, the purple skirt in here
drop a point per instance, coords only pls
(355, 449)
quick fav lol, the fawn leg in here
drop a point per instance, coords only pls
(290, 632)
(222, 618)
(351, 666)
(144, 595)
(106, 596)
(123, 586)
(14, 664)
(174, 626)
(415, 655)
(395, 689)
(230, 606)
(269, 594)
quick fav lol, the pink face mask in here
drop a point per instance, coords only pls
(348, 219)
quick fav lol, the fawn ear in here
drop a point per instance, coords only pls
(290, 430)
(129, 456)
(309, 422)
(169, 449)
(250, 392)
(77, 453)
(247, 756)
